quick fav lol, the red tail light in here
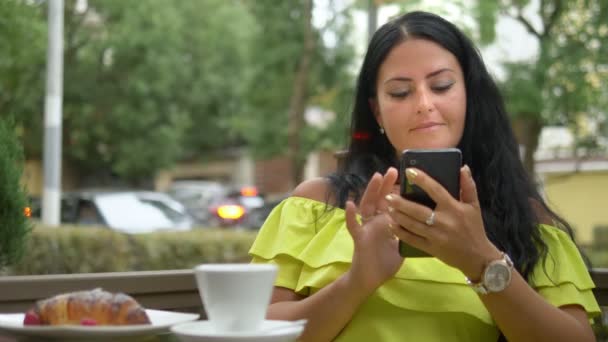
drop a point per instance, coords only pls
(230, 211)
(27, 211)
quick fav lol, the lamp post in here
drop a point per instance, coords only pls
(51, 197)
(372, 18)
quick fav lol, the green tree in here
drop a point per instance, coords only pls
(145, 83)
(297, 65)
(561, 84)
(151, 82)
(22, 66)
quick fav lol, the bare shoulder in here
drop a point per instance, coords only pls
(315, 189)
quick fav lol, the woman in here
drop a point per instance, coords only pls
(424, 85)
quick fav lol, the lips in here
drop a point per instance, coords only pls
(426, 125)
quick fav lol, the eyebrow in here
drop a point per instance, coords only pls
(434, 73)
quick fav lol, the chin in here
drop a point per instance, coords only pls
(429, 145)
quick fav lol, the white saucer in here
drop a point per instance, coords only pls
(203, 331)
(160, 321)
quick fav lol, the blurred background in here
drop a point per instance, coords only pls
(197, 114)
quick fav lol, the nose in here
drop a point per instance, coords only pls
(425, 103)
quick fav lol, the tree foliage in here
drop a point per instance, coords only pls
(562, 84)
(150, 83)
(278, 48)
(22, 64)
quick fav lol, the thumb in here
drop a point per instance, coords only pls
(468, 189)
(352, 224)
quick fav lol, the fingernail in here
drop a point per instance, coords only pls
(389, 197)
(411, 174)
(390, 209)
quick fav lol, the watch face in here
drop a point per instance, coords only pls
(497, 277)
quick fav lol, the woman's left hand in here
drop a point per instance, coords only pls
(456, 234)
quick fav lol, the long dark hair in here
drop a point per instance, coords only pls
(511, 205)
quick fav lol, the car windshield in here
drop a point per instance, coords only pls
(127, 213)
(172, 213)
(194, 194)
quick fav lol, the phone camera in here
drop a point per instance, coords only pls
(413, 162)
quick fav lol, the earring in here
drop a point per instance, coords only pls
(381, 130)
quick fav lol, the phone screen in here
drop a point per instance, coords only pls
(443, 165)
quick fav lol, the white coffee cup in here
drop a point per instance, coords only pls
(235, 296)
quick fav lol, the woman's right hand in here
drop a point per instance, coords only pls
(376, 254)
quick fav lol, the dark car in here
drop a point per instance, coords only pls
(258, 216)
(215, 204)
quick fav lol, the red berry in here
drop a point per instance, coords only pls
(88, 321)
(31, 318)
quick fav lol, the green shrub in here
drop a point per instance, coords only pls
(73, 249)
(14, 226)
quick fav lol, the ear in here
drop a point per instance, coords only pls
(373, 105)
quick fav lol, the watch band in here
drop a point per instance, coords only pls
(482, 286)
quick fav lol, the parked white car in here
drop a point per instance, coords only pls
(126, 211)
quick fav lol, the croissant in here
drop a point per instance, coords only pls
(95, 307)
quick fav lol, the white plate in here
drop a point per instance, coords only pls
(202, 331)
(160, 321)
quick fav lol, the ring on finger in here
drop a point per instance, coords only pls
(431, 219)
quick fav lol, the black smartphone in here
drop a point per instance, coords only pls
(443, 165)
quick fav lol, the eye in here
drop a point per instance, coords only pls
(443, 87)
(399, 94)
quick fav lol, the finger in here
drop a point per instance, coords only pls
(390, 225)
(413, 210)
(435, 190)
(411, 239)
(367, 206)
(352, 224)
(468, 192)
(411, 224)
(390, 177)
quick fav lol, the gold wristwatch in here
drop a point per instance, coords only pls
(496, 276)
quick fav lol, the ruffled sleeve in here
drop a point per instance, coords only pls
(563, 278)
(285, 240)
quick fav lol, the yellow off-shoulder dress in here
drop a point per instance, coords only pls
(426, 300)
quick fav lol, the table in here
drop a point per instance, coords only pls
(173, 290)
(165, 337)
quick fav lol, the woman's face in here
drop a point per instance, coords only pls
(421, 99)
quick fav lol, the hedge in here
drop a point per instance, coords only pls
(85, 249)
